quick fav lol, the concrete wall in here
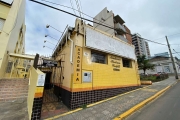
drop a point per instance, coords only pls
(15, 20)
(4, 10)
(108, 16)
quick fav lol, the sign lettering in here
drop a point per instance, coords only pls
(116, 61)
(77, 65)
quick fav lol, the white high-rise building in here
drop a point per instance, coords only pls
(141, 46)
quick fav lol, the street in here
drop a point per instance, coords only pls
(166, 107)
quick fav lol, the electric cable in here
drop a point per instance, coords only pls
(89, 20)
(176, 52)
(71, 6)
(77, 4)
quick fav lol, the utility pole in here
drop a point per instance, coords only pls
(174, 67)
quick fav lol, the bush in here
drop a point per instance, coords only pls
(154, 78)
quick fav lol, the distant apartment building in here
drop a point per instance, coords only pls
(12, 35)
(141, 46)
(108, 18)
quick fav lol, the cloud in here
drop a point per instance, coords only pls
(152, 19)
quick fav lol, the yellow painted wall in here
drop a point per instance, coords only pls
(33, 90)
(64, 55)
(4, 10)
(103, 75)
(15, 20)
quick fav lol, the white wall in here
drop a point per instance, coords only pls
(103, 42)
(162, 67)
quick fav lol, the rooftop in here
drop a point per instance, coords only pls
(119, 19)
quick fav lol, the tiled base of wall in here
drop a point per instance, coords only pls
(36, 111)
(74, 100)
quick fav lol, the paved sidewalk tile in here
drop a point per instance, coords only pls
(112, 108)
(16, 110)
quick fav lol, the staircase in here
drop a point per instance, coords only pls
(13, 89)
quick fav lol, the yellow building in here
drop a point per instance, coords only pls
(92, 65)
(12, 36)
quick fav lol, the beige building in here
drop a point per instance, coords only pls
(12, 35)
(108, 18)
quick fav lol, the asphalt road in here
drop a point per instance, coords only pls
(166, 107)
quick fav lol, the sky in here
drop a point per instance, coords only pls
(152, 19)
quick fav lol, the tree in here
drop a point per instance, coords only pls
(144, 63)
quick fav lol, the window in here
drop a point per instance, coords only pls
(127, 63)
(1, 23)
(98, 57)
(9, 66)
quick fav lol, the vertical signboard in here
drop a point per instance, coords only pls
(77, 65)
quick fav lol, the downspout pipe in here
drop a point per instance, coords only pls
(71, 54)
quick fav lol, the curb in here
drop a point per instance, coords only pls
(140, 105)
(90, 105)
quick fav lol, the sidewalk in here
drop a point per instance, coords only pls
(14, 110)
(115, 106)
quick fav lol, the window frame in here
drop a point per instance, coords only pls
(125, 61)
(100, 54)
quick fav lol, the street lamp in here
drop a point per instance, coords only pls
(48, 42)
(47, 26)
(48, 47)
(51, 37)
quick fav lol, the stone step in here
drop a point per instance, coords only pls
(12, 89)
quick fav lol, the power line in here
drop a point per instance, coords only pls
(71, 6)
(174, 44)
(173, 34)
(167, 36)
(74, 9)
(110, 27)
(176, 52)
(77, 4)
(153, 41)
(88, 19)
(81, 7)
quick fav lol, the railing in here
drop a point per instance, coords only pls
(122, 38)
(119, 26)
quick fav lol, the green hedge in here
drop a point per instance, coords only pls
(154, 78)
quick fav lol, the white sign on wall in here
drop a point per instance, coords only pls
(41, 79)
(87, 76)
(102, 42)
